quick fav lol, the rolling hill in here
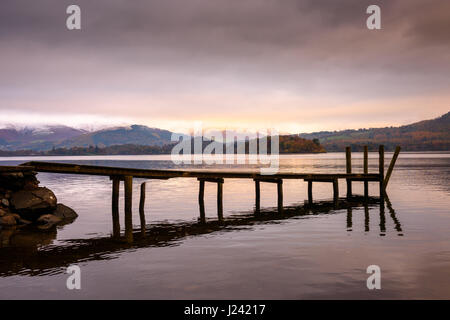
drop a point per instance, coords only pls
(135, 134)
(428, 135)
(35, 138)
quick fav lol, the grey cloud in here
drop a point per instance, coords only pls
(185, 48)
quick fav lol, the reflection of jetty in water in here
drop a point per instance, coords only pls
(30, 253)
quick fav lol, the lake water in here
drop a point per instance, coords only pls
(322, 253)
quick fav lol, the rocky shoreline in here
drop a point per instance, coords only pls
(24, 203)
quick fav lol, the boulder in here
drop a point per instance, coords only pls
(30, 204)
(47, 221)
(18, 180)
(8, 220)
(64, 212)
(3, 212)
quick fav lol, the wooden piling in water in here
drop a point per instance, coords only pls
(257, 196)
(310, 194)
(201, 200)
(115, 207)
(142, 208)
(366, 170)
(381, 169)
(220, 200)
(280, 195)
(391, 167)
(349, 219)
(348, 160)
(279, 183)
(128, 181)
(335, 191)
(201, 196)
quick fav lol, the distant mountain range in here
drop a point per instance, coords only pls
(425, 135)
(49, 137)
(428, 135)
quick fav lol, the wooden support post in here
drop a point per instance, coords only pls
(280, 195)
(128, 181)
(201, 201)
(348, 158)
(349, 219)
(366, 170)
(115, 207)
(382, 217)
(141, 209)
(310, 194)
(257, 196)
(220, 200)
(381, 169)
(391, 167)
(366, 218)
(335, 191)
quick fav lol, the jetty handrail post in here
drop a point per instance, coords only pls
(201, 200)
(391, 167)
(220, 200)
(142, 208)
(257, 196)
(128, 181)
(115, 207)
(381, 168)
(366, 171)
(348, 160)
(280, 195)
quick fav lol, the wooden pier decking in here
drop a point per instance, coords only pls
(218, 177)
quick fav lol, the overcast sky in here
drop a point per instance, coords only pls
(294, 65)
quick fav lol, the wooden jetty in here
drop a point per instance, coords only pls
(126, 175)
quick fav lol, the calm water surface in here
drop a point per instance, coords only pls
(319, 254)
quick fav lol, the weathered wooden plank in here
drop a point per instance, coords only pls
(321, 180)
(167, 174)
(214, 180)
(20, 168)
